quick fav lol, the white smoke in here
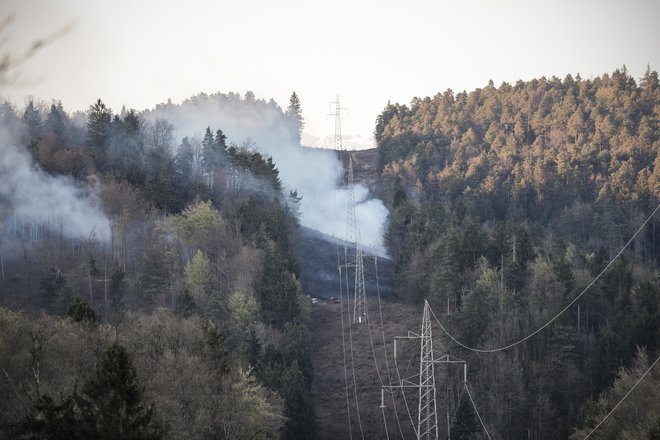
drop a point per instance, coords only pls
(315, 174)
(29, 194)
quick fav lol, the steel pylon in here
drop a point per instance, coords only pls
(427, 416)
(360, 300)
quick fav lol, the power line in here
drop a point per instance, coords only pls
(623, 398)
(403, 394)
(520, 341)
(382, 331)
(373, 352)
(476, 410)
(351, 237)
(460, 396)
(427, 415)
(343, 344)
(350, 340)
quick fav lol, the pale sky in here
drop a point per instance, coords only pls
(139, 53)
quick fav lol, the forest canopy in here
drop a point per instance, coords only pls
(173, 308)
(505, 202)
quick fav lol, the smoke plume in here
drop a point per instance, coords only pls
(28, 195)
(316, 174)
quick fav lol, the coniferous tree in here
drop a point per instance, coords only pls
(110, 406)
(8, 116)
(57, 122)
(151, 281)
(294, 114)
(111, 403)
(546, 180)
(129, 149)
(220, 142)
(279, 289)
(211, 153)
(184, 163)
(298, 405)
(99, 129)
(33, 123)
(81, 311)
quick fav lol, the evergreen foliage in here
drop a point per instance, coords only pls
(294, 115)
(99, 129)
(81, 311)
(505, 203)
(109, 406)
(194, 228)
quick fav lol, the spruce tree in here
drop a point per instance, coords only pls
(212, 152)
(57, 121)
(220, 141)
(208, 149)
(111, 404)
(183, 162)
(109, 407)
(99, 128)
(294, 114)
(33, 123)
(81, 311)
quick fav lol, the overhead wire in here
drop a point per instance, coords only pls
(382, 331)
(350, 332)
(493, 350)
(460, 397)
(341, 307)
(373, 352)
(343, 344)
(623, 398)
(350, 340)
(476, 410)
(351, 344)
(554, 318)
(405, 400)
(358, 254)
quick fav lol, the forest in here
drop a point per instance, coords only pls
(505, 203)
(149, 287)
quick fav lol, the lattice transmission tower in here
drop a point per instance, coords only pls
(427, 417)
(352, 236)
(351, 220)
(427, 412)
(360, 300)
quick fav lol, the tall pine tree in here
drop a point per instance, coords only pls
(110, 407)
(294, 115)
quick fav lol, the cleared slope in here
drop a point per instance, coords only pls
(317, 254)
(329, 388)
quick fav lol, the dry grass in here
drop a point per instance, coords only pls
(330, 388)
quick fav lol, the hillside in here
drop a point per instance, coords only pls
(364, 363)
(506, 203)
(133, 246)
(317, 254)
(127, 251)
(365, 165)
